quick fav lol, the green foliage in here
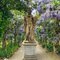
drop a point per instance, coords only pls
(12, 4)
(5, 13)
(5, 16)
(49, 47)
(9, 50)
(44, 44)
(58, 49)
(56, 3)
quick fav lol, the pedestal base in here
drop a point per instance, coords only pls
(30, 57)
(29, 51)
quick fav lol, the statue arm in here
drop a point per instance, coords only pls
(34, 19)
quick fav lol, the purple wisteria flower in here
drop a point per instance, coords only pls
(21, 30)
(38, 1)
(54, 14)
(46, 1)
(39, 8)
(42, 17)
(58, 15)
(49, 6)
(45, 15)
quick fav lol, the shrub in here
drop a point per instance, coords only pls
(58, 49)
(49, 47)
(8, 51)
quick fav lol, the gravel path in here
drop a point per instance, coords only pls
(41, 54)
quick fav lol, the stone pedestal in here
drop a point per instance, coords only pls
(30, 51)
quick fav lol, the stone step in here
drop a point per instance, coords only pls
(30, 59)
(33, 57)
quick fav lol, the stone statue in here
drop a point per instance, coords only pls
(29, 25)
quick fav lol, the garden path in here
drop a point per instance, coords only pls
(42, 54)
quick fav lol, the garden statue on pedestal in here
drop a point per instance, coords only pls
(29, 44)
